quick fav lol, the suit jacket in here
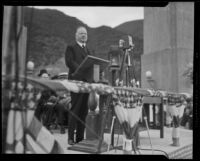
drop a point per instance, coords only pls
(74, 55)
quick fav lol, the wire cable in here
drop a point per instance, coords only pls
(117, 140)
(156, 150)
(145, 118)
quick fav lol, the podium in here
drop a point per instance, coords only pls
(90, 70)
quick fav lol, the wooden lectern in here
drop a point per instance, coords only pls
(90, 70)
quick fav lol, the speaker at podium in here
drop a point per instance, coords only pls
(89, 70)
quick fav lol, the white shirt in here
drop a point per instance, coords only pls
(81, 44)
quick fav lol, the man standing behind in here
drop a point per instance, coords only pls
(74, 55)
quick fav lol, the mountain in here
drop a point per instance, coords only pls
(135, 28)
(50, 31)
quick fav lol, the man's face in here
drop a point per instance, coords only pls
(81, 35)
(45, 76)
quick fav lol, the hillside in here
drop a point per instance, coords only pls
(135, 28)
(51, 30)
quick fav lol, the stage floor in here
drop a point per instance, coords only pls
(185, 150)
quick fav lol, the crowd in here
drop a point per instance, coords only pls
(185, 113)
(187, 118)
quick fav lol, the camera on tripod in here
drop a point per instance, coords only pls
(126, 42)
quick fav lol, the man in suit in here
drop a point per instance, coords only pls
(74, 55)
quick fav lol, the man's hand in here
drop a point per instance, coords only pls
(66, 102)
(53, 99)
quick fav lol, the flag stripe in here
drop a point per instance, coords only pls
(46, 139)
(34, 128)
(34, 147)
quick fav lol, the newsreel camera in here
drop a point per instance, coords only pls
(126, 44)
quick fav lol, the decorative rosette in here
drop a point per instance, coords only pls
(128, 109)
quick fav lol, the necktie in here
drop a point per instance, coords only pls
(84, 48)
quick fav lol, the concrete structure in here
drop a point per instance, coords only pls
(168, 45)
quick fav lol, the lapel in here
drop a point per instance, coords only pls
(82, 51)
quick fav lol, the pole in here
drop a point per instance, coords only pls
(6, 70)
(161, 119)
(113, 122)
(127, 80)
(112, 127)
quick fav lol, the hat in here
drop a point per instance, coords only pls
(42, 71)
(189, 100)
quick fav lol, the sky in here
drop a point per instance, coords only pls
(98, 16)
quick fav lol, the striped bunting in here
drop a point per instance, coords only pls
(99, 88)
(38, 139)
(22, 123)
(41, 140)
(73, 86)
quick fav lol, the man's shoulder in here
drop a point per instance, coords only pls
(74, 45)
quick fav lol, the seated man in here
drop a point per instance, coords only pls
(50, 107)
(64, 97)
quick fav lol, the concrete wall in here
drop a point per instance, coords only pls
(185, 42)
(168, 45)
(161, 64)
(185, 25)
(156, 29)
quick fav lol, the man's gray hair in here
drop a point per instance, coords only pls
(80, 27)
